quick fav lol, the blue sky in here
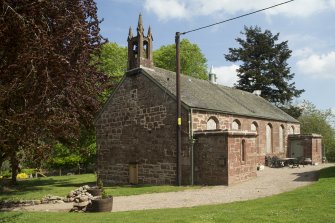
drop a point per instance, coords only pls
(306, 24)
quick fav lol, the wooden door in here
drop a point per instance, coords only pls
(133, 173)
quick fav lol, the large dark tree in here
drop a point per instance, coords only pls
(264, 65)
(48, 87)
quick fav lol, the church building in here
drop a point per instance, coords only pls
(226, 132)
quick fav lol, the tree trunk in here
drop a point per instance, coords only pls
(15, 165)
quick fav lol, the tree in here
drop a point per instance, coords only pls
(313, 120)
(48, 89)
(112, 61)
(192, 61)
(264, 66)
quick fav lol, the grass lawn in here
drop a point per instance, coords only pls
(61, 185)
(313, 203)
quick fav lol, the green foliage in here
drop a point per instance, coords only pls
(28, 171)
(66, 157)
(314, 203)
(294, 111)
(192, 61)
(264, 65)
(112, 61)
(313, 120)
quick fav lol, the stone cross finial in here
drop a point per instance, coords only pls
(140, 28)
(130, 34)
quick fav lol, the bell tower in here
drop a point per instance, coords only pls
(140, 47)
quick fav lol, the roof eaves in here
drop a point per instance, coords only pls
(240, 114)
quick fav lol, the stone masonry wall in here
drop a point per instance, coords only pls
(210, 159)
(311, 146)
(200, 118)
(137, 125)
(241, 170)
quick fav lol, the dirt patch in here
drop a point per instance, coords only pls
(270, 181)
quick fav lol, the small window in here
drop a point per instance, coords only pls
(236, 125)
(291, 130)
(212, 123)
(281, 138)
(243, 151)
(253, 127)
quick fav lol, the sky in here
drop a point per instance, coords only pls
(307, 25)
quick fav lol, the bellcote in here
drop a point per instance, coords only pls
(140, 47)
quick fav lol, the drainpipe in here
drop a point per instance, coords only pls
(192, 145)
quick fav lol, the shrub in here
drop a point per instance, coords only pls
(22, 176)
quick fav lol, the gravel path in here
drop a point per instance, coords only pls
(270, 181)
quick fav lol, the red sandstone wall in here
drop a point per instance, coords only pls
(138, 125)
(200, 118)
(238, 170)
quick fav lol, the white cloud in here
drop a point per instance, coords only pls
(166, 9)
(318, 66)
(181, 9)
(303, 52)
(332, 3)
(226, 75)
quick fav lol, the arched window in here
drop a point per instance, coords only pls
(236, 125)
(212, 123)
(243, 151)
(281, 138)
(268, 145)
(254, 126)
(291, 130)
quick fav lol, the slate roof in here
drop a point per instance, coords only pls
(202, 94)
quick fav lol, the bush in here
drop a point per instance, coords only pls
(28, 171)
(22, 176)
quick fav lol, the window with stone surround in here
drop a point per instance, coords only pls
(236, 125)
(212, 123)
(243, 151)
(254, 127)
(291, 131)
(281, 138)
(268, 136)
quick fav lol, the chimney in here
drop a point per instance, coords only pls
(257, 92)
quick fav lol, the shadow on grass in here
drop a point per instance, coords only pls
(12, 218)
(314, 175)
(41, 184)
(328, 172)
(308, 176)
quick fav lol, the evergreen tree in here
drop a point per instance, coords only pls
(264, 66)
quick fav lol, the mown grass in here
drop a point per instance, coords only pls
(32, 189)
(313, 203)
